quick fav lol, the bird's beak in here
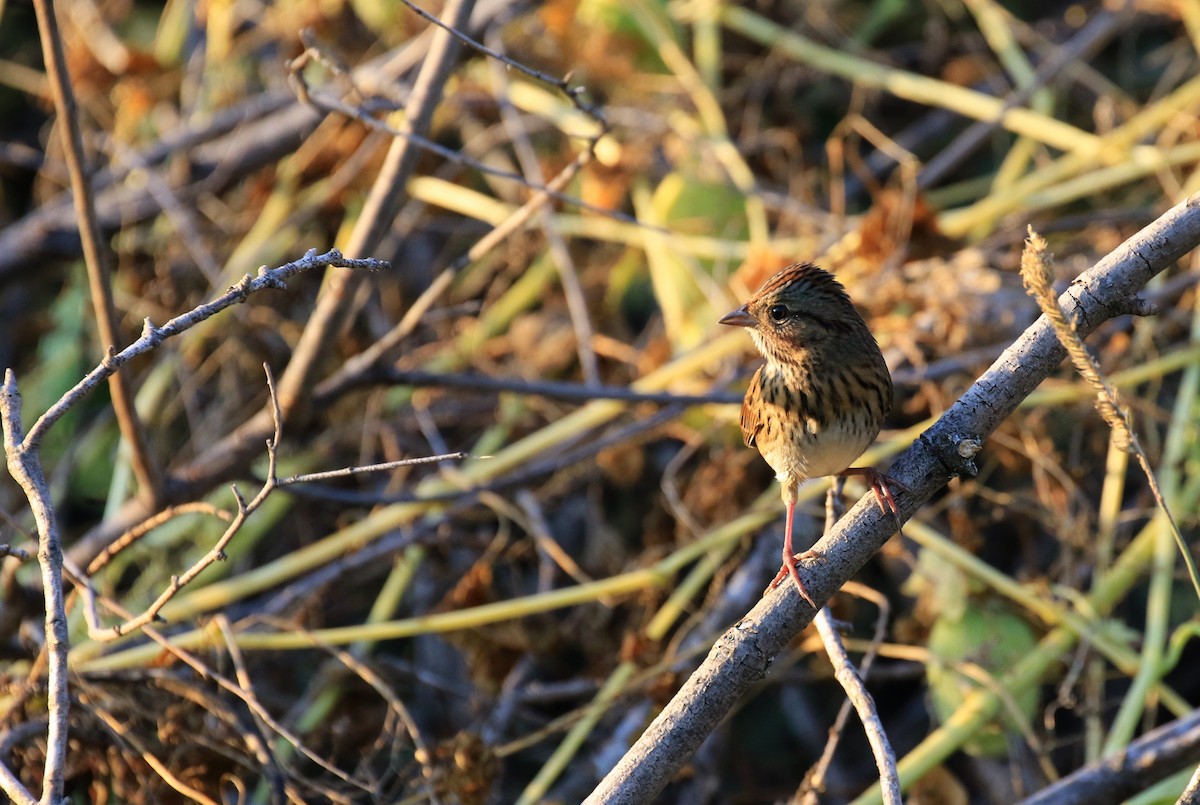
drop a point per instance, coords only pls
(738, 318)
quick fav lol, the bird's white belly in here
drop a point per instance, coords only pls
(825, 452)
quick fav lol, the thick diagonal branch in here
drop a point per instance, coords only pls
(742, 655)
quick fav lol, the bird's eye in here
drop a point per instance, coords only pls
(777, 312)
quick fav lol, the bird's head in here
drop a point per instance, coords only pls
(796, 310)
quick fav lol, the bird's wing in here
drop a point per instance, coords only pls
(750, 422)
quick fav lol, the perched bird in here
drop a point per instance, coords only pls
(821, 397)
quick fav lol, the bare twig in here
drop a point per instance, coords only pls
(95, 256)
(1191, 794)
(24, 464)
(1152, 757)
(864, 704)
(362, 113)
(143, 528)
(346, 472)
(10, 785)
(387, 191)
(256, 707)
(364, 672)
(26, 469)
(126, 735)
(814, 780)
(152, 336)
(214, 554)
(741, 657)
(16, 553)
(848, 677)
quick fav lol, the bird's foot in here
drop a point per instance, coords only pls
(881, 484)
(789, 569)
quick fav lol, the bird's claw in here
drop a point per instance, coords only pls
(881, 484)
(789, 569)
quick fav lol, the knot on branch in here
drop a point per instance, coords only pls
(242, 289)
(110, 362)
(742, 643)
(269, 279)
(956, 455)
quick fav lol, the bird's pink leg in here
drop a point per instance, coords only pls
(789, 559)
(881, 485)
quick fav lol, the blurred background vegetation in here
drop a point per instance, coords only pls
(516, 618)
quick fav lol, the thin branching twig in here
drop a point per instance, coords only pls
(850, 680)
(133, 535)
(363, 114)
(24, 464)
(17, 553)
(215, 554)
(256, 707)
(153, 335)
(244, 510)
(347, 472)
(396, 706)
(814, 780)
